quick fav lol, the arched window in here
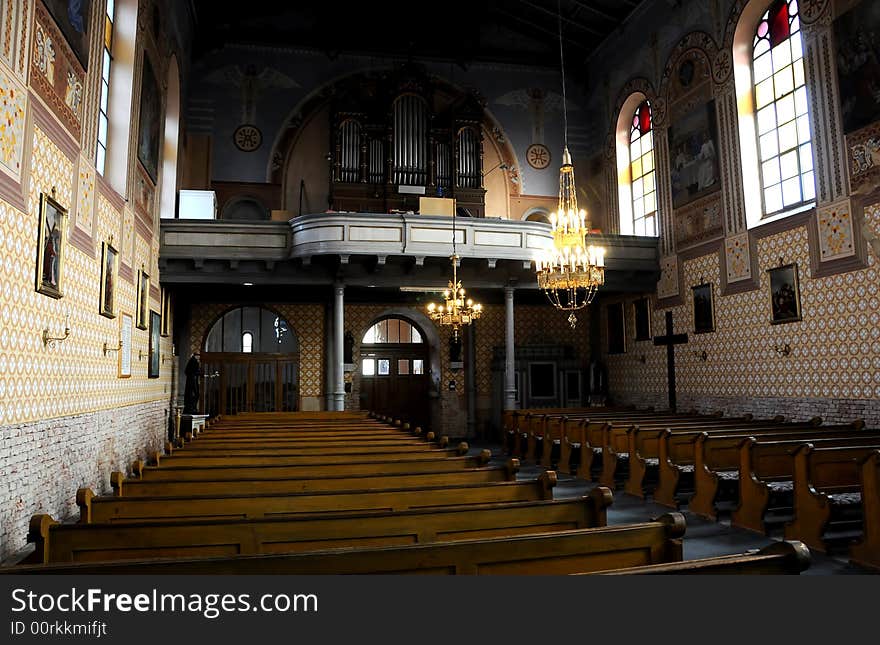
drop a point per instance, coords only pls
(643, 184)
(772, 102)
(392, 330)
(103, 106)
(251, 330)
(782, 116)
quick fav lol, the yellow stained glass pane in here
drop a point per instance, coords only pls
(799, 78)
(770, 171)
(764, 93)
(783, 81)
(787, 136)
(769, 146)
(636, 169)
(788, 164)
(650, 202)
(763, 67)
(648, 162)
(781, 55)
(108, 34)
(649, 182)
(773, 199)
(638, 188)
(766, 119)
(791, 191)
(785, 108)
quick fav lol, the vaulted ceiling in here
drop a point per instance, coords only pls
(461, 31)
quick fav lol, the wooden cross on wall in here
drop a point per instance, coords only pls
(670, 340)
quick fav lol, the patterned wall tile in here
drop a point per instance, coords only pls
(13, 105)
(835, 348)
(667, 286)
(738, 257)
(75, 377)
(835, 227)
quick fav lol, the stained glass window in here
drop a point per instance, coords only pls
(103, 110)
(785, 149)
(642, 175)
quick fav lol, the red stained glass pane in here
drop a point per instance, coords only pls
(779, 22)
(644, 118)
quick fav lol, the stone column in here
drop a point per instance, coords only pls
(471, 380)
(510, 352)
(730, 165)
(338, 352)
(662, 174)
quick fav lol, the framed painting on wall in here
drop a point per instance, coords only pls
(642, 310)
(143, 300)
(704, 308)
(50, 247)
(125, 327)
(166, 312)
(693, 150)
(109, 273)
(785, 300)
(154, 358)
(616, 329)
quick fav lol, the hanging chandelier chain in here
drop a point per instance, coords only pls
(562, 67)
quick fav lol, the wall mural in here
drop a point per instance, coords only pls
(857, 33)
(72, 17)
(693, 149)
(148, 124)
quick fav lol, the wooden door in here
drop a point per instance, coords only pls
(236, 383)
(394, 381)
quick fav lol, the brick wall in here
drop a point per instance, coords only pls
(45, 462)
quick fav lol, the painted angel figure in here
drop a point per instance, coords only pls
(251, 84)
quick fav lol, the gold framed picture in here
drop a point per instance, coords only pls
(704, 308)
(785, 299)
(166, 312)
(50, 247)
(124, 364)
(143, 300)
(109, 275)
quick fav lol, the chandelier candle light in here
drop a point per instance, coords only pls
(458, 310)
(570, 270)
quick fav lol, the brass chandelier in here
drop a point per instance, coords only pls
(458, 310)
(570, 270)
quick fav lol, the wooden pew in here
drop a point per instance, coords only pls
(318, 454)
(125, 509)
(615, 441)
(866, 551)
(780, 558)
(827, 491)
(766, 474)
(716, 458)
(170, 472)
(553, 553)
(90, 542)
(293, 458)
(264, 484)
(644, 446)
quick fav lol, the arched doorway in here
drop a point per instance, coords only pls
(251, 363)
(394, 371)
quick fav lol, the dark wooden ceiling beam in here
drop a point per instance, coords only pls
(538, 28)
(567, 21)
(598, 12)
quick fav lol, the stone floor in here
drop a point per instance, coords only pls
(703, 538)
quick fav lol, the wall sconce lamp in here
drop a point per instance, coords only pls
(107, 349)
(142, 355)
(165, 357)
(701, 355)
(642, 359)
(51, 341)
(783, 350)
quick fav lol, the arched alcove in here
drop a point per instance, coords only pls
(250, 359)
